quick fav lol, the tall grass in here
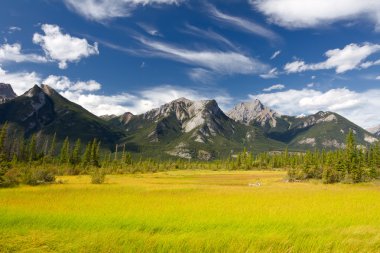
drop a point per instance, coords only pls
(190, 211)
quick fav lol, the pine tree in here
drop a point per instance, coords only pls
(3, 135)
(116, 150)
(65, 151)
(123, 155)
(286, 157)
(32, 150)
(86, 158)
(371, 162)
(4, 163)
(75, 155)
(128, 159)
(52, 146)
(94, 153)
(352, 159)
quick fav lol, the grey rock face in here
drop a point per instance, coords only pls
(6, 93)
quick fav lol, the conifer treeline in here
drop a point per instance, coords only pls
(39, 159)
(353, 164)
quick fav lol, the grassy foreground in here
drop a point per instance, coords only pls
(190, 211)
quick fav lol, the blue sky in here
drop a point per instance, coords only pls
(298, 57)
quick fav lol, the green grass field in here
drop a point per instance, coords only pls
(190, 211)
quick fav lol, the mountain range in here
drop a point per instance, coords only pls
(374, 130)
(179, 129)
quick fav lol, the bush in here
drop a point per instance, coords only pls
(98, 176)
(39, 176)
(12, 178)
(329, 175)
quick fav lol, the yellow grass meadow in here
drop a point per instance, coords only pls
(191, 211)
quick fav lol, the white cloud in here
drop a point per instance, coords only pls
(12, 53)
(84, 93)
(218, 61)
(342, 60)
(314, 13)
(368, 64)
(140, 102)
(100, 10)
(360, 107)
(23, 81)
(63, 48)
(275, 54)
(20, 81)
(102, 104)
(273, 73)
(62, 83)
(274, 87)
(13, 29)
(151, 30)
(242, 24)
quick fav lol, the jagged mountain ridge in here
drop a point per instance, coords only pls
(6, 93)
(117, 120)
(191, 129)
(254, 112)
(321, 130)
(43, 110)
(181, 128)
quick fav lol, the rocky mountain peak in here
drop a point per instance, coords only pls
(181, 100)
(188, 115)
(48, 90)
(35, 91)
(126, 117)
(254, 112)
(6, 92)
(185, 109)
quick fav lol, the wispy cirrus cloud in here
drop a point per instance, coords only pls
(350, 57)
(275, 54)
(242, 24)
(273, 73)
(208, 34)
(201, 75)
(222, 62)
(150, 29)
(13, 29)
(103, 10)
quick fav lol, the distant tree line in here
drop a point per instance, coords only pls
(39, 159)
(353, 164)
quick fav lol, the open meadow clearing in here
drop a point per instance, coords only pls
(191, 211)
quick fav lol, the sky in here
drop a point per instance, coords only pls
(114, 56)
